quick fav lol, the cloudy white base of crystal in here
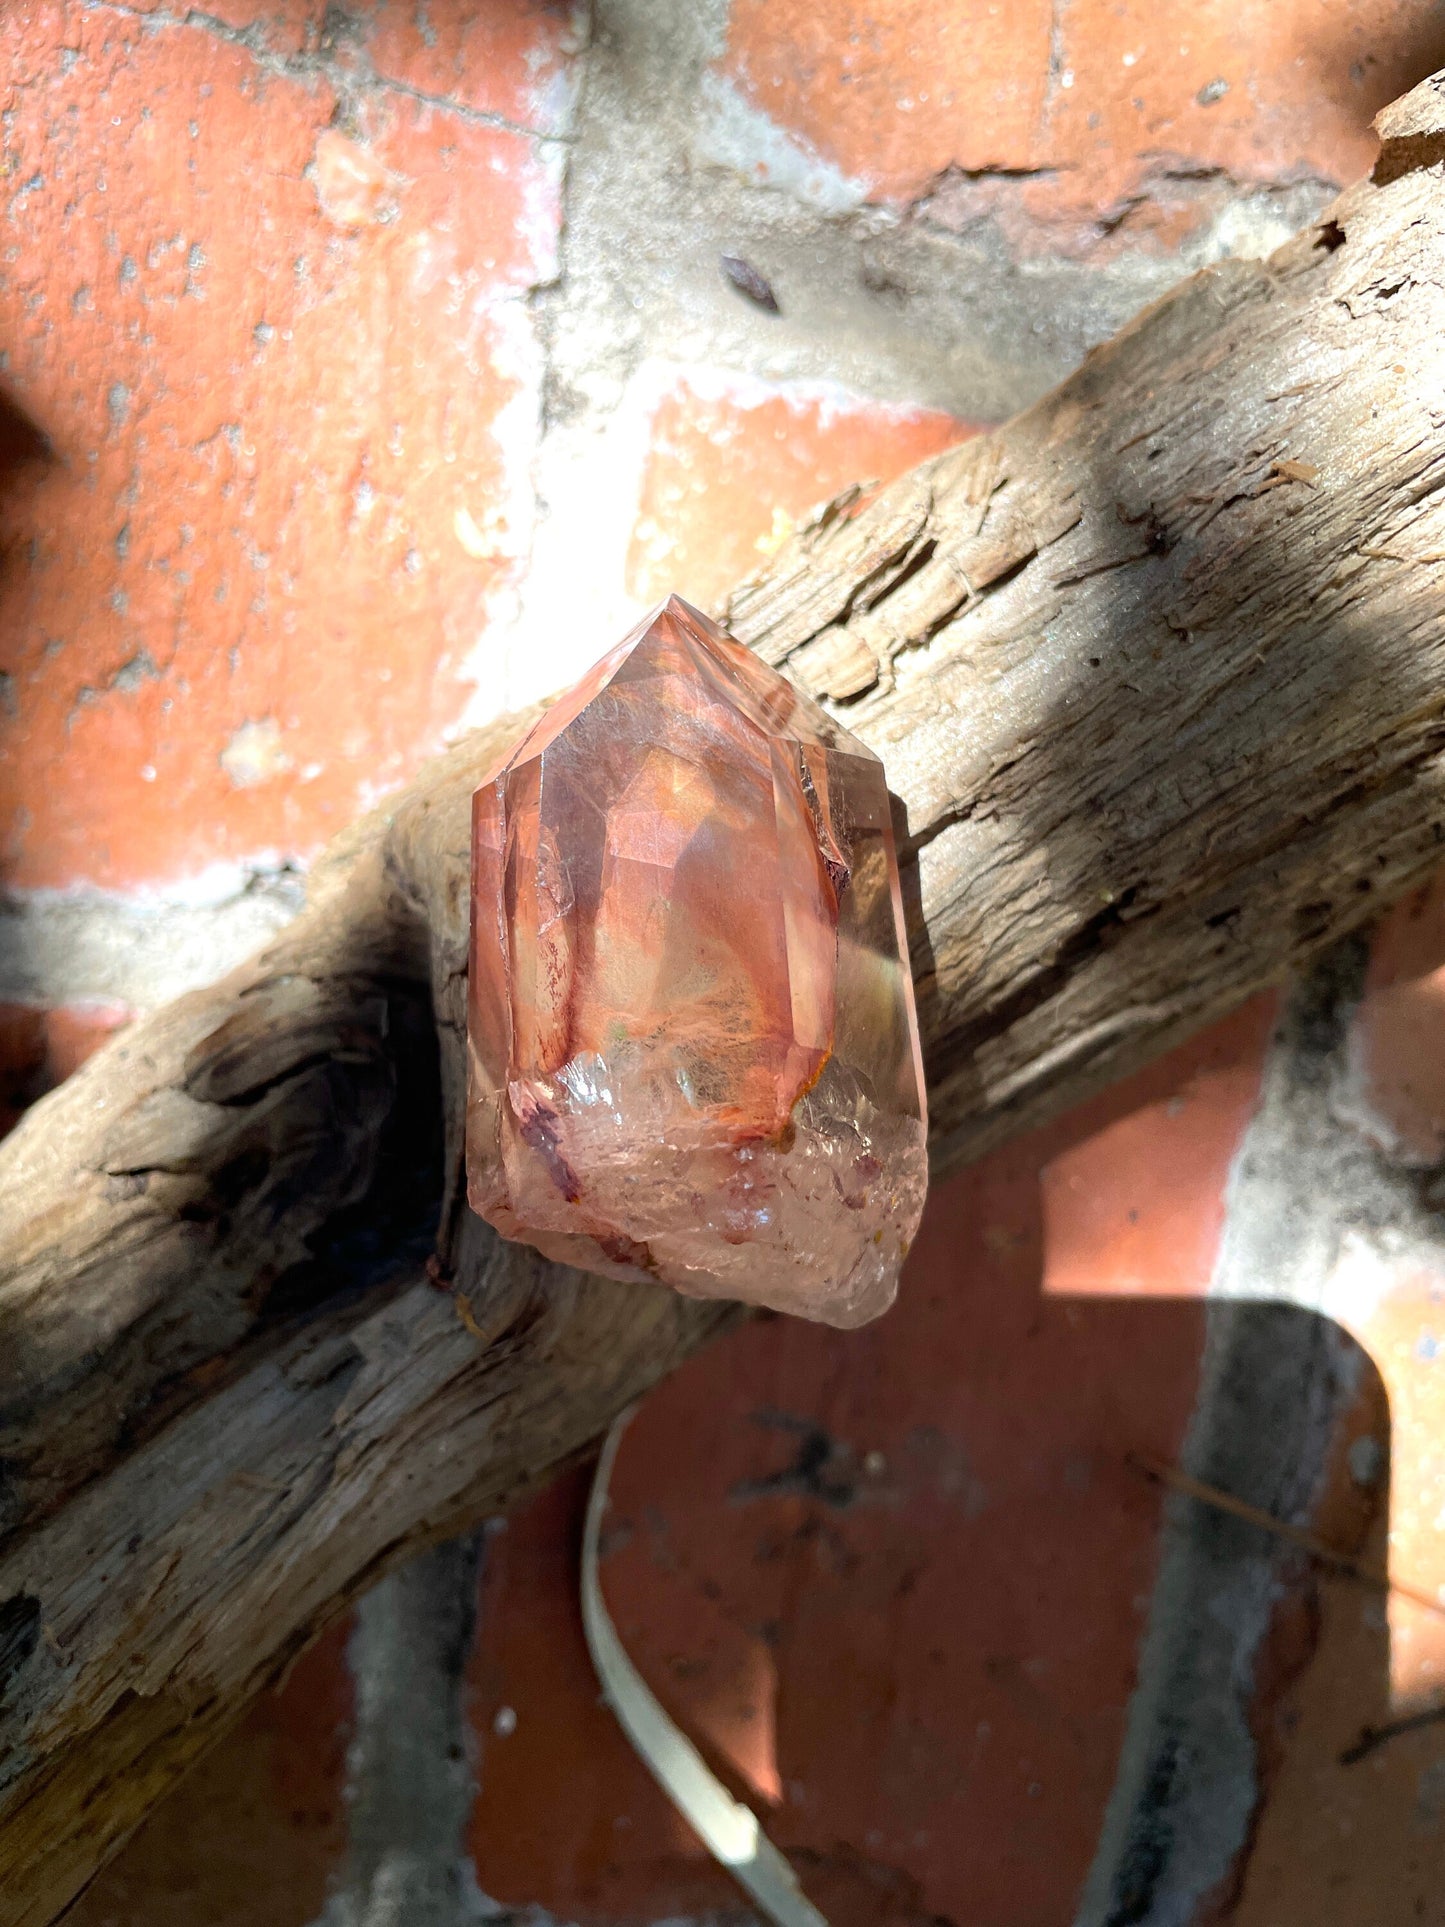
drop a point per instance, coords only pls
(693, 1048)
(817, 1222)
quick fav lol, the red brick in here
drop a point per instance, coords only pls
(22, 1060)
(1304, 79)
(281, 26)
(512, 58)
(1341, 1838)
(253, 1836)
(1137, 1207)
(240, 606)
(892, 1581)
(39, 1048)
(1332, 1841)
(567, 1814)
(916, 1663)
(1404, 1332)
(1355, 1840)
(733, 465)
(1397, 1040)
(894, 94)
(1115, 107)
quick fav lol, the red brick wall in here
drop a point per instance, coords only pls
(363, 369)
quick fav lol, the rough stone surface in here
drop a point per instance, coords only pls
(411, 1762)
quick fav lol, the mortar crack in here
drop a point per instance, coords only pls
(348, 81)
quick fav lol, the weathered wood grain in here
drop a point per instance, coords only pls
(1160, 664)
(1157, 673)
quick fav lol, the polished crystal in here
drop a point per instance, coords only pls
(693, 1050)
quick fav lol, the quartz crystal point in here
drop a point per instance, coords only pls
(693, 1050)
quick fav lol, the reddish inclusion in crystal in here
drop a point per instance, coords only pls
(693, 1051)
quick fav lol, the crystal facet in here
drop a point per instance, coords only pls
(693, 1049)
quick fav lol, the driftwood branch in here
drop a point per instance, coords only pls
(1158, 672)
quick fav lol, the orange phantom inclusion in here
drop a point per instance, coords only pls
(693, 1052)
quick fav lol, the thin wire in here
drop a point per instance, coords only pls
(729, 1829)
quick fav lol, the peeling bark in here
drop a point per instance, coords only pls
(1156, 670)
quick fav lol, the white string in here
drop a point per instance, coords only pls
(728, 1828)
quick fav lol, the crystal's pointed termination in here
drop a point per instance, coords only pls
(693, 1050)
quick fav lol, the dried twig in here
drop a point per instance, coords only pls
(1310, 1542)
(1372, 1737)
